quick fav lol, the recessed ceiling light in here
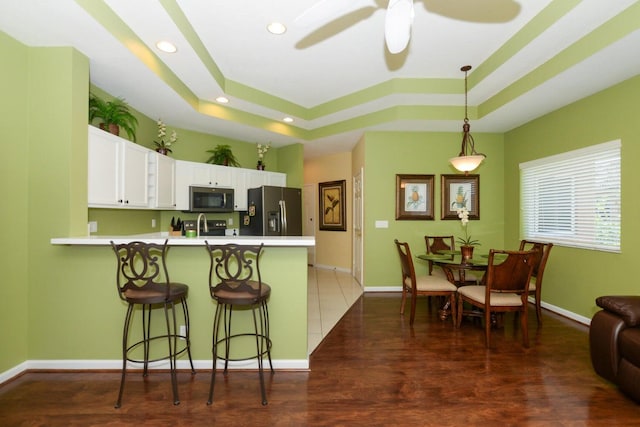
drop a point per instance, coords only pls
(276, 28)
(166, 46)
(222, 100)
(287, 120)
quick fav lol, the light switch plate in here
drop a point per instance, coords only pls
(382, 224)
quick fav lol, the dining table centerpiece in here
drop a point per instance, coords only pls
(467, 243)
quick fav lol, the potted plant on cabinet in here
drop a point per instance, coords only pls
(222, 155)
(113, 114)
(162, 146)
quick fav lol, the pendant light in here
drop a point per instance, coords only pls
(468, 159)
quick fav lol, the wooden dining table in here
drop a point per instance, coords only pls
(455, 268)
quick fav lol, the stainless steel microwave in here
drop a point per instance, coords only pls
(209, 199)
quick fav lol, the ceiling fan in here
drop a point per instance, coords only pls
(397, 25)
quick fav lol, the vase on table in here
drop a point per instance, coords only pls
(260, 165)
(466, 252)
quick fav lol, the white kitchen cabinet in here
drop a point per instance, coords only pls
(276, 179)
(118, 172)
(183, 181)
(240, 179)
(163, 186)
(245, 179)
(210, 175)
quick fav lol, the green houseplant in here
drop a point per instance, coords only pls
(113, 114)
(222, 155)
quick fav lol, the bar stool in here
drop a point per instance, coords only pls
(143, 281)
(235, 283)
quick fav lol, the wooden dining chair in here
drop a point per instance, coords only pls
(434, 245)
(535, 284)
(505, 289)
(422, 285)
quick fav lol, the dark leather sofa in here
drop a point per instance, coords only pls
(614, 338)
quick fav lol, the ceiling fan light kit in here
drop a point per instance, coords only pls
(468, 159)
(397, 25)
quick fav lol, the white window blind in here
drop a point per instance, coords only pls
(573, 199)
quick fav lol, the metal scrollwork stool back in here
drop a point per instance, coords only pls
(143, 281)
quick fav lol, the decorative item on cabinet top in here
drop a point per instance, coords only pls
(114, 115)
(222, 155)
(164, 143)
(262, 150)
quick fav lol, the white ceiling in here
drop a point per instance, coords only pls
(530, 57)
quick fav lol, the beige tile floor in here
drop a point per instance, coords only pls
(330, 294)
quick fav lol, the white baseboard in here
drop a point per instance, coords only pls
(13, 372)
(330, 267)
(555, 309)
(383, 289)
(568, 314)
(116, 365)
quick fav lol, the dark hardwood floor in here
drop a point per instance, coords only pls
(372, 369)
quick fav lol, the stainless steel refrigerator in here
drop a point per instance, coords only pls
(273, 211)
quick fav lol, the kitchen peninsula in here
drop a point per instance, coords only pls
(283, 266)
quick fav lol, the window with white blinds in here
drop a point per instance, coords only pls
(573, 199)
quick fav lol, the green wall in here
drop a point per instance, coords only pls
(289, 160)
(575, 277)
(428, 153)
(60, 301)
(14, 182)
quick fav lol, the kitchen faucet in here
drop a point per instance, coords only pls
(206, 228)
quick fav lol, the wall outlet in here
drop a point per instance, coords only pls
(153, 223)
(230, 221)
(93, 226)
(183, 331)
(231, 232)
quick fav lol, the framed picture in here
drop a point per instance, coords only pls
(414, 197)
(332, 205)
(460, 191)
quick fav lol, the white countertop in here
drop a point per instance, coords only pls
(283, 241)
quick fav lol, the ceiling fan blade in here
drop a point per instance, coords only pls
(323, 11)
(397, 24)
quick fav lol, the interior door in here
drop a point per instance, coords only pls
(358, 220)
(309, 214)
